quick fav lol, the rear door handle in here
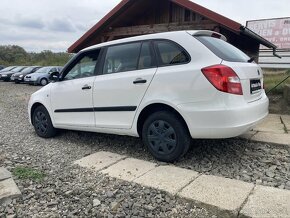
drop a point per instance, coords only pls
(140, 81)
(85, 87)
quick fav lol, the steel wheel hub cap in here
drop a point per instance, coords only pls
(161, 137)
(41, 122)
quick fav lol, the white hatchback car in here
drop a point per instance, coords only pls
(166, 88)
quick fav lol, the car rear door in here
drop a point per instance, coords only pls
(127, 71)
(71, 98)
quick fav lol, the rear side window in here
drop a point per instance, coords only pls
(170, 53)
(223, 49)
(122, 58)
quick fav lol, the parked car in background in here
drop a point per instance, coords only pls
(19, 77)
(7, 69)
(166, 88)
(6, 75)
(41, 76)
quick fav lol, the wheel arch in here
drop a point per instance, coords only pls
(155, 107)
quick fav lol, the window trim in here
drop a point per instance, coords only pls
(158, 55)
(103, 52)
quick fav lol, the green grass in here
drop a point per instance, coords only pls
(28, 173)
(271, 80)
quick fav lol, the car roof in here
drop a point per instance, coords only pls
(165, 35)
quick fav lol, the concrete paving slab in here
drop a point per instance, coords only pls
(167, 178)
(282, 139)
(99, 160)
(267, 202)
(272, 124)
(221, 196)
(286, 121)
(4, 174)
(8, 190)
(129, 169)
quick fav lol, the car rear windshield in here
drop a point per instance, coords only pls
(223, 49)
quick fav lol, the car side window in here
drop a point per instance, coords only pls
(122, 58)
(52, 70)
(84, 67)
(35, 69)
(146, 59)
(170, 53)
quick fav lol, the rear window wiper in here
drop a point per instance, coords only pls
(251, 59)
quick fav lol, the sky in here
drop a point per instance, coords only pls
(38, 25)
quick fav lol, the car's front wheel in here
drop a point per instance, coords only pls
(166, 136)
(43, 82)
(42, 123)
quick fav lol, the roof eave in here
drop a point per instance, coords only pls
(74, 47)
(246, 31)
(224, 21)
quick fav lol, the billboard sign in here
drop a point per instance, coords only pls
(276, 31)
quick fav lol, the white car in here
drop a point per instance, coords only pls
(166, 88)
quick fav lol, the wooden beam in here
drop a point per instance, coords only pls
(157, 28)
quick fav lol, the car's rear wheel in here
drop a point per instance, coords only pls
(43, 82)
(166, 136)
(42, 123)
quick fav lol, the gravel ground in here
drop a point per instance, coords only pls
(69, 191)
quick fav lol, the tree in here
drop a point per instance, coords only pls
(13, 55)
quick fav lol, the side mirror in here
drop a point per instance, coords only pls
(54, 76)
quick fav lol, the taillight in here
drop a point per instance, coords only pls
(223, 78)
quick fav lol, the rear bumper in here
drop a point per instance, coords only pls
(224, 122)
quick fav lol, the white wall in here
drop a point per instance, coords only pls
(267, 60)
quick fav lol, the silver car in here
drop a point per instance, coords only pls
(41, 76)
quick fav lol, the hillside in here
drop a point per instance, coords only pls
(16, 55)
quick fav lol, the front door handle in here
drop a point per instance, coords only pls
(140, 81)
(85, 87)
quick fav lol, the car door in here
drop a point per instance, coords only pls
(128, 70)
(71, 98)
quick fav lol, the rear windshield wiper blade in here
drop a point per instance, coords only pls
(251, 59)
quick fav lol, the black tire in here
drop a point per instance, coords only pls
(43, 82)
(42, 123)
(166, 136)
